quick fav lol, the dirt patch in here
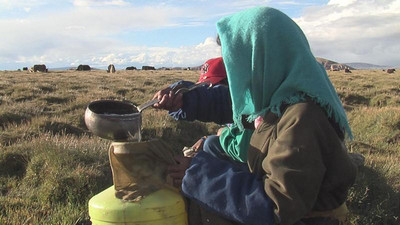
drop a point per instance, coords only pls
(122, 92)
(394, 140)
(56, 100)
(24, 98)
(355, 99)
(148, 83)
(397, 125)
(46, 89)
(77, 87)
(9, 117)
(368, 85)
(13, 165)
(142, 90)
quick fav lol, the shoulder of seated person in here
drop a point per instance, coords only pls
(307, 109)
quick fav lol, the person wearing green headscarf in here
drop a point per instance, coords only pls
(296, 170)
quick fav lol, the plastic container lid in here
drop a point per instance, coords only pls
(159, 205)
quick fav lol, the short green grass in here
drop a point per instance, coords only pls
(51, 165)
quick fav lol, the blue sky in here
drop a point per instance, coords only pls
(182, 32)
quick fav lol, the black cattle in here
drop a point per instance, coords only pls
(131, 68)
(39, 68)
(148, 68)
(83, 68)
(390, 70)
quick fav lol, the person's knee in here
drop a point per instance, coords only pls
(213, 146)
(210, 143)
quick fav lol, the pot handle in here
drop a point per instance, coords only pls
(141, 107)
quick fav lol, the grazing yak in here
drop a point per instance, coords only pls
(111, 68)
(347, 70)
(131, 68)
(390, 70)
(39, 68)
(148, 68)
(25, 68)
(83, 68)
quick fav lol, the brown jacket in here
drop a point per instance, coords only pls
(303, 161)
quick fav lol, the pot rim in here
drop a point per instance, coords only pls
(109, 115)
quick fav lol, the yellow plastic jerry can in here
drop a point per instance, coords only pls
(163, 207)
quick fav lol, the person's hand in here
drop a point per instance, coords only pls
(176, 172)
(258, 121)
(168, 100)
(199, 144)
(220, 130)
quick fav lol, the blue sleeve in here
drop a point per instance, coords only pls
(181, 82)
(206, 105)
(222, 187)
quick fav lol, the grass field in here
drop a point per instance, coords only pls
(50, 165)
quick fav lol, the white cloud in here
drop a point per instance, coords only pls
(74, 46)
(90, 3)
(112, 58)
(79, 34)
(293, 3)
(87, 34)
(75, 27)
(139, 58)
(341, 3)
(12, 4)
(160, 56)
(164, 56)
(87, 31)
(247, 3)
(355, 31)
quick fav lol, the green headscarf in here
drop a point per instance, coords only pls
(269, 62)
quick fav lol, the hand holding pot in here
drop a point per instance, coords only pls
(168, 100)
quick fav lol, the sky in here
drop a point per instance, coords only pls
(181, 33)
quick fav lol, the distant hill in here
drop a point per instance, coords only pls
(356, 65)
(62, 68)
(328, 63)
(68, 68)
(366, 66)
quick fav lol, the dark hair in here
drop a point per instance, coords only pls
(218, 40)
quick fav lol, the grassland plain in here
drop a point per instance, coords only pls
(50, 165)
